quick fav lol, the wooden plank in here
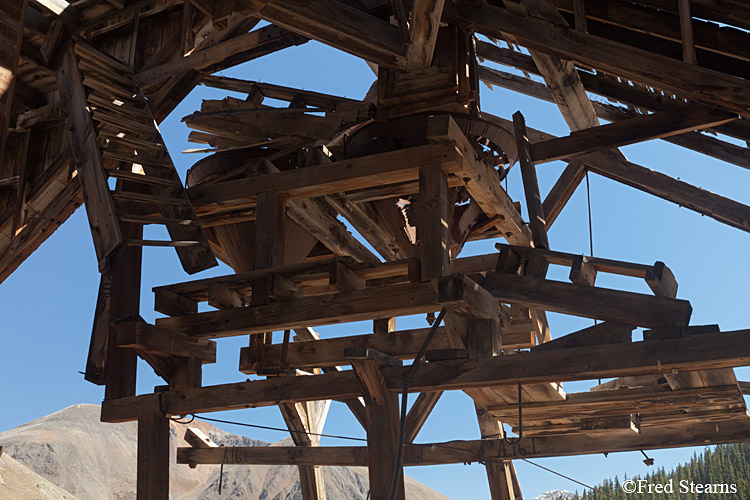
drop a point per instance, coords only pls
(197, 439)
(346, 175)
(587, 301)
(214, 54)
(160, 341)
(561, 192)
(413, 298)
(559, 73)
(632, 96)
(642, 399)
(153, 458)
(100, 208)
(36, 231)
(402, 344)
(697, 352)
(425, 23)
(686, 195)
(726, 91)
(340, 26)
(640, 128)
(603, 333)
(488, 450)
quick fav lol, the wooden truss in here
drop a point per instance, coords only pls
(416, 169)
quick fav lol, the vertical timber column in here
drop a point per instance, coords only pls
(433, 229)
(153, 458)
(124, 277)
(269, 249)
(381, 408)
(269, 230)
(501, 475)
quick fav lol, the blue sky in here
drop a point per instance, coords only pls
(47, 304)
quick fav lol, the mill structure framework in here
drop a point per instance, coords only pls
(416, 168)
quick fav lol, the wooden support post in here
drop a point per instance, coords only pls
(661, 281)
(686, 31)
(381, 407)
(499, 474)
(124, 277)
(433, 228)
(269, 230)
(301, 419)
(384, 325)
(530, 184)
(153, 458)
(582, 271)
(579, 7)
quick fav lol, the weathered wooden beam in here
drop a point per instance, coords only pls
(425, 23)
(694, 141)
(621, 133)
(562, 191)
(686, 32)
(320, 180)
(642, 399)
(124, 279)
(418, 413)
(153, 458)
(462, 294)
(530, 184)
(160, 341)
(338, 25)
(726, 91)
(105, 227)
(481, 181)
(588, 301)
(311, 214)
(696, 352)
(330, 352)
(663, 21)
(36, 231)
(433, 231)
(381, 408)
(412, 298)
(216, 54)
(603, 333)
(297, 419)
(686, 195)
(487, 450)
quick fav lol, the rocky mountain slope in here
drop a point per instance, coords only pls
(94, 461)
(18, 482)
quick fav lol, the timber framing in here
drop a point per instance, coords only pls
(334, 210)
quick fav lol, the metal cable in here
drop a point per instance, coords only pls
(404, 399)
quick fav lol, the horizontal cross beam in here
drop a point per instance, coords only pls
(483, 450)
(697, 352)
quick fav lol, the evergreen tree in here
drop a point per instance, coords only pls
(723, 464)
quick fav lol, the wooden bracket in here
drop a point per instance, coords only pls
(197, 439)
